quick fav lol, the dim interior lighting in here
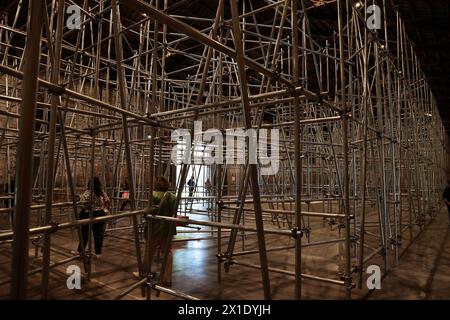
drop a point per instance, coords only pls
(255, 138)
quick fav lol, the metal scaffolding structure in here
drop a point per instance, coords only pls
(363, 153)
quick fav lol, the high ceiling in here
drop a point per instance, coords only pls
(427, 23)
(428, 26)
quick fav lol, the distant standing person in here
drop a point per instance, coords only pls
(208, 187)
(125, 195)
(191, 184)
(446, 196)
(98, 204)
(208, 192)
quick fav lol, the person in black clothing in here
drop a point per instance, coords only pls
(191, 184)
(98, 203)
(446, 196)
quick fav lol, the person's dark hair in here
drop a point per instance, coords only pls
(161, 184)
(97, 186)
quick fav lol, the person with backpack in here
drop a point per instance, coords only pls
(99, 203)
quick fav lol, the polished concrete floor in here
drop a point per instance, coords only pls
(423, 271)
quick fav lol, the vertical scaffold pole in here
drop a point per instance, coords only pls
(24, 168)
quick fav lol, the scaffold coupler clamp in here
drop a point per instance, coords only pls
(97, 17)
(292, 90)
(347, 281)
(296, 233)
(349, 284)
(276, 77)
(227, 263)
(53, 226)
(220, 257)
(356, 269)
(343, 113)
(151, 278)
(153, 210)
(36, 241)
(57, 90)
(323, 96)
(220, 204)
(395, 242)
(306, 230)
(354, 238)
(226, 24)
